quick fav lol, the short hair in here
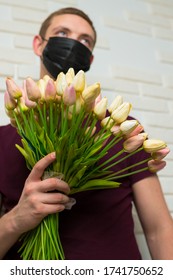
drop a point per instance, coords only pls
(69, 10)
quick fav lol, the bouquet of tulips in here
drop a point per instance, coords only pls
(63, 116)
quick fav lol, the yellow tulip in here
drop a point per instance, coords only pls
(90, 93)
(128, 126)
(152, 145)
(100, 108)
(61, 83)
(107, 122)
(115, 104)
(79, 81)
(121, 113)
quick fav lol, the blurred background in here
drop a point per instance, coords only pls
(133, 58)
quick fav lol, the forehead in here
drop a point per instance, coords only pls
(74, 23)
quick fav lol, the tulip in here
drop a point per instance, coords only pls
(90, 93)
(133, 143)
(100, 108)
(107, 122)
(92, 132)
(115, 104)
(152, 145)
(41, 85)
(155, 166)
(79, 81)
(128, 126)
(10, 103)
(98, 99)
(70, 76)
(13, 90)
(61, 83)
(69, 95)
(136, 131)
(50, 90)
(115, 130)
(120, 114)
(32, 89)
(159, 155)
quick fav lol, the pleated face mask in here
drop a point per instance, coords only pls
(61, 53)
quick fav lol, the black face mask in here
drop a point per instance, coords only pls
(60, 54)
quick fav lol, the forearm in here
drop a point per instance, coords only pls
(8, 234)
(161, 244)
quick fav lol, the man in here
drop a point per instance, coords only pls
(100, 225)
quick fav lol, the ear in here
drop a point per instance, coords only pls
(37, 45)
(91, 59)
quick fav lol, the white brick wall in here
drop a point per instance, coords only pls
(133, 57)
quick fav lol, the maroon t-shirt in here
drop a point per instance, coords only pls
(100, 224)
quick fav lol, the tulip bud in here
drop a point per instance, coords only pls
(115, 130)
(128, 126)
(120, 114)
(13, 90)
(10, 103)
(107, 122)
(152, 145)
(90, 93)
(79, 81)
(133, 143)
(50, 90)
(61, 83)
(32, 89)
(69, 96)
(100, 108)
(155, 166)
(92, 132)
(158, 155)
(136, 131)
(115, 104)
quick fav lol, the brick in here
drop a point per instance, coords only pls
(33, 15)
(32, 70)
(18, 56)
(6, 68)
(148, 19)
(18, 28)
(36, 5)
(23, 41)
(160, 133)
(162, 33)
(135, 75)
(102, 43)
(166, 183)
(159, 120)
(165, 57)
(155, 91)
(161, 2)
(167, 80)
(139, 28)
(161, 10)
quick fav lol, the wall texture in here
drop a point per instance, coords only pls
(133, 57)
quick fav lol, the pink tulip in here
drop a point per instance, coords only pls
(32, 89)
(159, 155)
(134, 142)
(13, 90)
(10, 103)
(50, 90)
(115, 130)
(69, 95)
(155, 166)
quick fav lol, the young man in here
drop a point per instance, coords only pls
(100, 225)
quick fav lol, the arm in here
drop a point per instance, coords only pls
(155, 218)
(35, 203)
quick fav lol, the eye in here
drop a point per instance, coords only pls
(87, 42)
(61, 34)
